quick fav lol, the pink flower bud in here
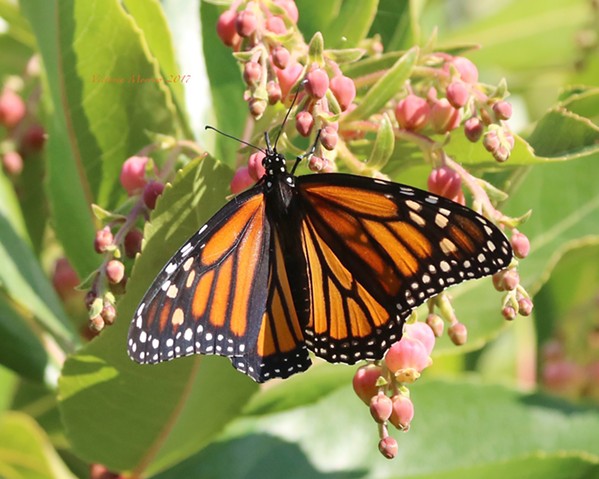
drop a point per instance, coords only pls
(525, 306)
(241, 180)
(473, 129)
(319, 164)
(108, 314)
(520, 244)
(508, 312)
(444, 181)
(255, 168)
(435, 322)
(291, 9)
(423, 333)
(12, 108)
(317, 83)
(344, 90)
(329, 137)
(132, 243)
(257, 107)
(388, 447)
(151, 193)
(115, 271)
(64, 278)
(276, 25)
(288, 76)
(225, 27)
(273, 90)
(412, 112)
(467, 70)
(511, 279)
(502, 110)
(407, 358)
(246, 23)
(380, 407)
(12, 163)
(304, 122)
(33, 139)
(444, 117)
(252, 71)
(458, 334)
(364, 382)
(280, 56)
(133, 174)
(499, 142)
(457, 94)
(103, 240)
(402, 412)
(564, 377)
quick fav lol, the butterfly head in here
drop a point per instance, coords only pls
(273, 162)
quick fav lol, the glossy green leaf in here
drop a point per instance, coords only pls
(147, 418)
(351, 23)
(20, 348)
(26, 451)
(563, 134)
(90, 136)
(460, 429)
(21, 275)
(229, 109)
(386, 87)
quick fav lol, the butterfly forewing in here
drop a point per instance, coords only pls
(375, 250)
(210, 296)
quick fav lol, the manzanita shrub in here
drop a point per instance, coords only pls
(106, 170)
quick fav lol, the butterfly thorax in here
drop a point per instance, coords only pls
(279, 184)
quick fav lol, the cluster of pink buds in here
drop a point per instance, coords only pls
(384, 387)
(264, 39)
(24, 135)
(572, 374)
(275, 60)
(455, 97)
(121, 238)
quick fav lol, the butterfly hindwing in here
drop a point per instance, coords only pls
(280, 349)
(375, 250)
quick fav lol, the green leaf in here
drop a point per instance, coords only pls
(351, 24)
(26, 451)
(22, 277)
(386, 87)
(147, 418)
(459, 429)
(564, 305)
(20, 348)
(562, 134)
(92, 136)
(149, 16)
(564, 198)
(226, 87)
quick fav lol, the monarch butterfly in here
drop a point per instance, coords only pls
(333, 263)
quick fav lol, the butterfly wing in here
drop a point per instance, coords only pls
(210, 296)
(375, 250)
(280, 349)
(225, 292)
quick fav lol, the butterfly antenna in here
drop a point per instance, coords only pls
(286, 117)
(308, 154)
(208, 127)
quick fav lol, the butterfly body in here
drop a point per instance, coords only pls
(332, 263)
